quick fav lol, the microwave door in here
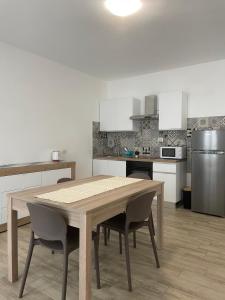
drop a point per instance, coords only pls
(169, 152)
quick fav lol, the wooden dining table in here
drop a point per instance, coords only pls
(84, 214)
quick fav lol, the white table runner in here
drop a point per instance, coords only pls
(86, 190)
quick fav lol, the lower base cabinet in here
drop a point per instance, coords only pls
(174, 176)
(51, 177)
(109, 167)
(15, 183)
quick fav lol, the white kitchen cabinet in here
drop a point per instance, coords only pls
(169, 186)
(173, 109)
(15, 183)
(32, 180)
(109, 167)
(173, 174)
(115, 114)
(99, 167)
(51, 177)
(20, 182)
(117, 168)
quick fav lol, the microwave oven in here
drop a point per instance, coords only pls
(173, 152)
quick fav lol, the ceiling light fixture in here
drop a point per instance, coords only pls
(123, 8)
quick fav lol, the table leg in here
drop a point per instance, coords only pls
(85, 261)
(12, 243)
(159, 232)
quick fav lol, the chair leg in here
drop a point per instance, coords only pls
(96, 248)
(134, 239)
(65, 273)
(108, 233)
(152, 221)
(105, 234)
(151, 231)
(127, 253)
(120, 242)
(98, 229)
(97, 240)
(27, 265)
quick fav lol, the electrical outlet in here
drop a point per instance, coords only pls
(160, 139)
(189, 132)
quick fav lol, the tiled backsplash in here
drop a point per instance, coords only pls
(112, 143)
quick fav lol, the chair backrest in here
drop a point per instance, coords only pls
(139, 209)
(47, 223)
(140, 175)
(65, 179)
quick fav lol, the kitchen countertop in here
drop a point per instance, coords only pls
(141, 159)
(14, 169)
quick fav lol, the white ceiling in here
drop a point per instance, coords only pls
(84, 35)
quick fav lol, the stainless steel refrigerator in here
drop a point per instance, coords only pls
(208, 172)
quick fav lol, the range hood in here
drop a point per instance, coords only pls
(151, 109)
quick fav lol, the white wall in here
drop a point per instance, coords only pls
(205, 84)
(45, 106)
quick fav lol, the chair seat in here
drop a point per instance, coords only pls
(118, 223)
(73, 235)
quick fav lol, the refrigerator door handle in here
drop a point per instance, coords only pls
(199, 151)
(220, 152)
(216, 152)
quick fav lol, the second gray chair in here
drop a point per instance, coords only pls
(138, 175)
(137, 211)
(51, 231)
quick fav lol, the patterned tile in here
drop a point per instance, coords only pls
(219, 122)
(112, 143)
(146, 136)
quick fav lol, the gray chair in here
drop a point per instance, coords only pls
(49, 229)
(138, 175)
(142, 175)
(64, 179)
(137, 211)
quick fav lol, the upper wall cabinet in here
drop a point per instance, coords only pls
(115, 114)
(173, 109)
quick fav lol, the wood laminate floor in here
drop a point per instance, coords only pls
(192, 265)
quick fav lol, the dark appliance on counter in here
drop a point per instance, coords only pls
(137, 153)
(208, 172)
(137, 169)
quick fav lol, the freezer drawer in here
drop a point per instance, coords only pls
(208, 182)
